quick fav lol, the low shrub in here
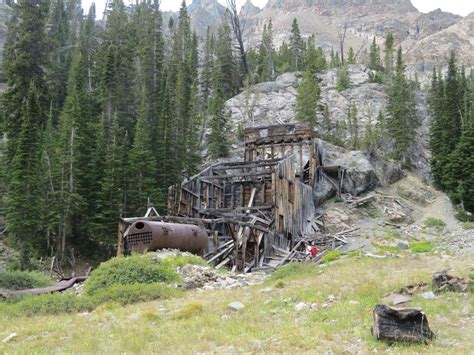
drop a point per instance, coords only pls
(190, 310)
(280, 284)
(183, 259)
(464, 216)
(435, 223)
(22, 280)
(338, 199)
(421, 246)
(135, 269)
(151, 316)
(331, 256)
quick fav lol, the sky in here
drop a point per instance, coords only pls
(460, 7)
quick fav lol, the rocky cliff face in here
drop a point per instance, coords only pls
(327, 7)
(425, 38)
(435, 47)
(274, 102)
(418, 33)
(205, 13)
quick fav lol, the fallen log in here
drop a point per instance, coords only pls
(400, 324)
(60, 286)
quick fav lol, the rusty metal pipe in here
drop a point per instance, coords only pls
(151, 236)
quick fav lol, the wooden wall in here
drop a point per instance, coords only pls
(294, 203)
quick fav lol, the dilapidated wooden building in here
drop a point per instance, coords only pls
(256, 206)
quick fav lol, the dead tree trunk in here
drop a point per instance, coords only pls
(342, 38)
(237, 29)
(400, 324)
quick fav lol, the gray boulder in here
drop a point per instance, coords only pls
(360, 175)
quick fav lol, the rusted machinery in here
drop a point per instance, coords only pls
(150, 236)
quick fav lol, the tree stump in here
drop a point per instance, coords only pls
(400, 324)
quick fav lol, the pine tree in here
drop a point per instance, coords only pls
(296, 47)
(343, 80)
(149, 58)
(142, 162)
(327, 125)
(335, 61)
(374, 56)
(60, 55)
(439, 151)
(116, 69)
(218, 142)
(389, 52)
(113, 187)
(460, 169)
(24, 188)
(353, 125)
(402, 120)
(351, 58)
(25, 59)
(224, 79)
(283, 59)
(208, 65)
(307, 99)
(24, 114)
(453, 108)
(266, 67)
(315, 60)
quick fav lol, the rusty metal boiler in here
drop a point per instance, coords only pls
(150, 236)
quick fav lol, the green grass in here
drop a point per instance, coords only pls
(291, 270)
(393, 249)
(21, 280)
(58, 303)
(437, 223)
(190, 310)
(331, 256)
(202, 322)
(119, 281)
(422, 246)
(468, 225)
(471, 281)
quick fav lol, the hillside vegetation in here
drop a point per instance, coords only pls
(339, 298)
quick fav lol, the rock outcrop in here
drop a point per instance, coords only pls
(360, 175)
(204, 14)
(274, 103)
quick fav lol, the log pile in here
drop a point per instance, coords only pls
(443, 282)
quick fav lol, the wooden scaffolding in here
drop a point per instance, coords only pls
(255, 207)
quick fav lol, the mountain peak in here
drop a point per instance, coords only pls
(249, 9)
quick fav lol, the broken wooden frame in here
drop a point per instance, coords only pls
(258, 212)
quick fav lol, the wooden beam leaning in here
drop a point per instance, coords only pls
(220, 177)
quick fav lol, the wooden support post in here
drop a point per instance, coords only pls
(120, 233)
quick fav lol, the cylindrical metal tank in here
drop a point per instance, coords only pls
(151, 236)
